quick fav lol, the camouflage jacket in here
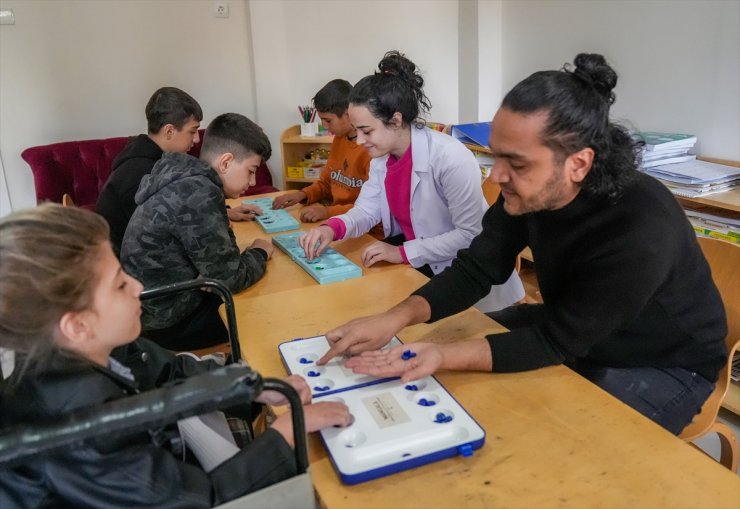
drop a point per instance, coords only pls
(180, 231)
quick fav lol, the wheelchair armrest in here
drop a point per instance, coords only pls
(197, 284)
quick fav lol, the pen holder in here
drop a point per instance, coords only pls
(309, 129)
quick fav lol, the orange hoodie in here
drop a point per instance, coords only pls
(341, 179)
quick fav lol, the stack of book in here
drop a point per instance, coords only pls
(715, 226)
(693, 179)
(665, 148)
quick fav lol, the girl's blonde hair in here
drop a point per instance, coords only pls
(47, 260)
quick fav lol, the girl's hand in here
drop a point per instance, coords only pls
(317, 416)
(275, 398)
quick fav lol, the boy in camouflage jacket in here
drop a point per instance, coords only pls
(180, 231)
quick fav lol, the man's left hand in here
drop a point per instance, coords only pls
(243, 212)
(313, 213)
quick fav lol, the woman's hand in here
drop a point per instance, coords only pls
(381, 251)
(315, 241)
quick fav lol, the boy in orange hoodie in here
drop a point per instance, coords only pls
(346, 169)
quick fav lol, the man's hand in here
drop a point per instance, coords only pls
(314, 213)
(243, 212)
(358, 335)
(288, 199)
(381, 251)
(323, 235)
(374, 332)
(265, 245)
(410, 362)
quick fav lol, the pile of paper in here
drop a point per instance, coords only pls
(696, 178)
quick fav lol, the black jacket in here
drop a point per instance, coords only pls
(116, 201)
(136, 471)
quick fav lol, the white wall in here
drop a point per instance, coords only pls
(78, 69)
(678, 61)
(85, 69)
(300, 45)
(490, 58)
(4, 193)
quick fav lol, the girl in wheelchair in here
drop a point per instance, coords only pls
(71, 315)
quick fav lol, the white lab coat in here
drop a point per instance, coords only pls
(447, 206)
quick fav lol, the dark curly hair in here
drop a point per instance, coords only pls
(396, 86)
(577, 99)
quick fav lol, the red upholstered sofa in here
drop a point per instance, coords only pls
(81, 168)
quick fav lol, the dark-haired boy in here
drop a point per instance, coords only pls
(173, 118)
(180, 231)
(346, 169)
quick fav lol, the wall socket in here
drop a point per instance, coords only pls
(220, 10)
(7, 17)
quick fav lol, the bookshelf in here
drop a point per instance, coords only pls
(293, 148)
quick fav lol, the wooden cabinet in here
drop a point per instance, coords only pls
(725, 204)
(293, 148)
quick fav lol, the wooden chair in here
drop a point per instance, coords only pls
(491, 190)
(724, 260)
(67, 200)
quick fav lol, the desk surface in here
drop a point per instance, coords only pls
(553, 439)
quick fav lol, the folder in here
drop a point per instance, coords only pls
(472, 134)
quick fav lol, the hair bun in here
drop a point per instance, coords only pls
(591, 68)
(396, 64)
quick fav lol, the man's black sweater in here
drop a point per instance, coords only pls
(624, 284)
(116, 201)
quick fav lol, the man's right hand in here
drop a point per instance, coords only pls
(288, 199)
(323, 236)
(359, 335)
(374, 332)
(265, 245)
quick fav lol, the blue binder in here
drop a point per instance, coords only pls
(472, 134)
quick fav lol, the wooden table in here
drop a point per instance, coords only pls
(553, 439)
(282, 274)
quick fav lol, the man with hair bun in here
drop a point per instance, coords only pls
(629, 301)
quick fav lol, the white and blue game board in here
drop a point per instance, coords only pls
(396, 425)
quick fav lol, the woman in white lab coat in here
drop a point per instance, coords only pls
(424, 186)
